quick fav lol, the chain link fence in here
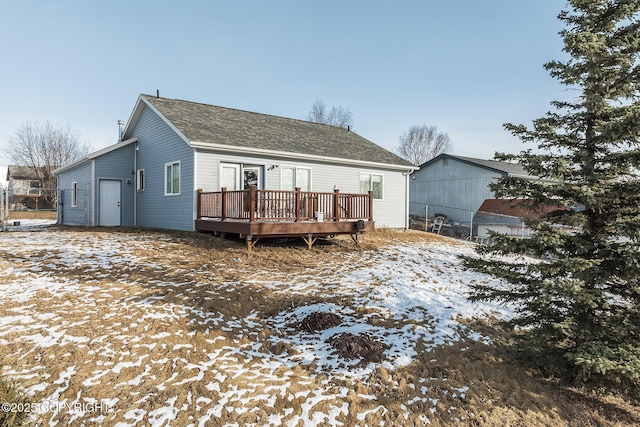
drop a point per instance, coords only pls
(465, 223)
(36, 199)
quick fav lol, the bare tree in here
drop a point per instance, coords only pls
(337, 116)
(422, 143)
(43, 148)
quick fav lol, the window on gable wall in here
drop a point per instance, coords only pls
(140, 180)
(371, 182)
(172, 179)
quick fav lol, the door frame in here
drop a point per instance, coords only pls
(119, 220)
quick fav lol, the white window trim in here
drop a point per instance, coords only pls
(371, 175)
(164, 184)
(295, 175)
(141, 181)
(74, 194)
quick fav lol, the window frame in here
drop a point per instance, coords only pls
(140, 180)
(295, 177)
(74, 194)
(370, 181)
(165, 185)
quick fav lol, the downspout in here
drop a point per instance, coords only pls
(93, 193)
(406, 199)
(135, 188)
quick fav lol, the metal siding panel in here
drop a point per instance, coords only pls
(158, 145)
(118, 164)
(80, 214)
(457, 185)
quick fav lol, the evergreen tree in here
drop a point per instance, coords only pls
(578, 308)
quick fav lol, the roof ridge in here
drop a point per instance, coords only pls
(247, 111)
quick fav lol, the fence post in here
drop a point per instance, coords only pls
(298, 204)
(252, 203)
(370, 205)
(426, 217)
(472, 213)
(336, 211)
(223, 203)
(199, 205)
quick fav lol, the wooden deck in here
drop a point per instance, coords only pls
(254, 214)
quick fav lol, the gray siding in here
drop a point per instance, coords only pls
(448, 182)
(160, 144)
(388, 212)
(82, 213)
(117, 165)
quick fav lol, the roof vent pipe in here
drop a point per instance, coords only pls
(157, 93)
(120, 130)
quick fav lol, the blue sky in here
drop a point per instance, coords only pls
(465, 66)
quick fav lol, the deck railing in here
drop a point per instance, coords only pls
(280, 205)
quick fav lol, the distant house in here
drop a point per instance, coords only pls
(503, 216)
(171, 149)
(26, 190)
(456, 186)
(23, 180)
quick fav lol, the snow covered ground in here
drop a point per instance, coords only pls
(124, 329)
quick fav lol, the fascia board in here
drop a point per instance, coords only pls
(297, 156)
(95, 154)
(164, 119)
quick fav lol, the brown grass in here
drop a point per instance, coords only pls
(201, 268)
(17, 215)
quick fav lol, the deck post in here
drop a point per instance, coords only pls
(223, 214)
(336, 205)
(252, 203)
(298, 204)
(199, 204)
(370, 206)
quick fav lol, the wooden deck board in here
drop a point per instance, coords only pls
(254, 214)
(281, 229)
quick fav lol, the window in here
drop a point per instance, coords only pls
(371, 182)
(140, 180)
(229, 176)
(74, 194)
(172, 179)
(291, 178)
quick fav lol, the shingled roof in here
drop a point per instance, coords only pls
(219, 126)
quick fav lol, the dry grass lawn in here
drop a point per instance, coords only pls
(190, 329)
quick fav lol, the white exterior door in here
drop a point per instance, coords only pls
(109, 203)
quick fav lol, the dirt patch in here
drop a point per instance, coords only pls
(363, 347)
(318, 321)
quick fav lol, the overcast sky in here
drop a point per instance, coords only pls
(465, 66)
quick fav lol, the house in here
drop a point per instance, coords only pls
(23, 179)
(175, 157)
(25, 185)
(503, 216)
(456, 186)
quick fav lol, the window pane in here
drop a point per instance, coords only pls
(168, 175)
(251, 177)
(303, 179)
(376, 186)
(365, 183)
(229, 178)
(140, 180)
(176, 178)
(288, 182)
